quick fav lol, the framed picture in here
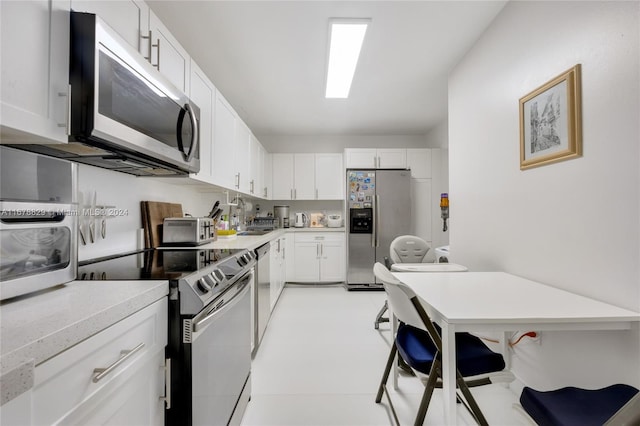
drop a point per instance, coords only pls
(550, 121)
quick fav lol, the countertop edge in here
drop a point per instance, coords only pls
(252, 242)
(17, 371)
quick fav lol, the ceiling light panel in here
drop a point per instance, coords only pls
(346, 37)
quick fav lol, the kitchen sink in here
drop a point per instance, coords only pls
(254, 232)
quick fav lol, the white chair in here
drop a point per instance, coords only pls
(405, 249)
(418, 342)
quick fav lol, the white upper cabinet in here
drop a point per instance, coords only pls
(224, 128)
(307, 177)
(369, 158)
(357, 158)
(129, 18)
(34, 85)
(171, 59)
(241, 158)
(203, 93)
(256, 171)
(282, 175)
(268, 176)
(304, 177)
(419, 161)
(329, 177)
(392, 158)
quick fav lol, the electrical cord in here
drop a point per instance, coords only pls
(531, 334)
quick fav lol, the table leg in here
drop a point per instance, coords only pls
(449, 373)
(394, 330)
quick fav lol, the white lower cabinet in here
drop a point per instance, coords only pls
(69, 390)
(319, 257)
(278, 268)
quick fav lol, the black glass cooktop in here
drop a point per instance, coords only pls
(152, 264)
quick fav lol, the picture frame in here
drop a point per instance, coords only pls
(551, 121)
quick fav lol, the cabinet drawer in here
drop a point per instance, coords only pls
(319, 237)
(67, 380)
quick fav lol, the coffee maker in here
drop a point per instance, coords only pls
(281, 213)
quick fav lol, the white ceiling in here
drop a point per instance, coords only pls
(268, 58)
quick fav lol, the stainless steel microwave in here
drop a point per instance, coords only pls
(124, 114)
(38, 222)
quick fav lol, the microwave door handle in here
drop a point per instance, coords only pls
(194, 134)
(188, 156)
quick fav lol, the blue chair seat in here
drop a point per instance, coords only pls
(574, 406)
(473, 357)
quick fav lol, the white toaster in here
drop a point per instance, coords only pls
(190, 231)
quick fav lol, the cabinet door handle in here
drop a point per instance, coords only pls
(67, 122)
(316, 193)
(317, 251)
(101, 373)
(238, 180)
(151, 46)
(295, 193)
(148, 37)
(291, 193)
(167, 383)
(251, 186)
(157, 65)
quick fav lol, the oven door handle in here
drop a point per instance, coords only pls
(243, 288)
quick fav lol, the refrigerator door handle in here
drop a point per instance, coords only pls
(376, 218)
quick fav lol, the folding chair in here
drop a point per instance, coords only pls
(419, 343)
(613, 405)
(405, 249)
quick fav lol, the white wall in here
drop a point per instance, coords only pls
(337, 143)
(573, 224)
(438, 136)
(125, 193)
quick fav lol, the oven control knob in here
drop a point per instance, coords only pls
(203, 286)
(214, 279)
(218, 273)
(242, 261)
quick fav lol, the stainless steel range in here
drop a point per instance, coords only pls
(209, 327)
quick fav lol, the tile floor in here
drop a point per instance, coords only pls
(321, 360)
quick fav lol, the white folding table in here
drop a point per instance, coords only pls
(498, 301)
(428, 267)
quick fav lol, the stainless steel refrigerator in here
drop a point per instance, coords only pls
(378, 210)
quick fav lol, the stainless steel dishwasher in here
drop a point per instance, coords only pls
(262, 295)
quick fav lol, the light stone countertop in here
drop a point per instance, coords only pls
(251, 242)
(37, 327)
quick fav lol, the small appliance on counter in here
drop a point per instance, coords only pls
(281, 213)
(301, 220)
(316, 220)
(334, 221)
(38, 236)
(191, 231)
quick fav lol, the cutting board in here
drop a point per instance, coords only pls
(153, 214)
